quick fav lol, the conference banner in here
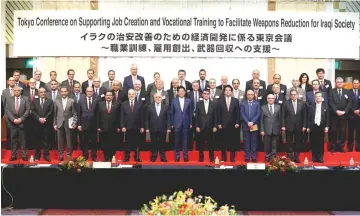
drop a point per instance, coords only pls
(190, 33)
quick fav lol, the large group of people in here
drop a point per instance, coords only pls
(115, 113)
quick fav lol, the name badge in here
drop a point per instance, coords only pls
(346, 96)
(102, 95)
(280, 102)
(163, 97)
(323, 99)
(255, 166)
(142, 99)
(359, 96)
(327, 86)
(241, 97)
(36, 96)
(282, 91)
(261, 87)
(300, 96)
(201, 98)
(324, 110)
(259, 98)
(217, 96)
(188, 90)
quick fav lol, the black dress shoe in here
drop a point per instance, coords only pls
(24, 158)
(13, 159)
(247, 160)
(138, 160)
(163, 160)
(61, 159)
(47, 159)
(342, 150)
(186, 160)
(296, 160)
(201, 160)
(232, 160)
(321, 161)
(177, 160)
(254, 160)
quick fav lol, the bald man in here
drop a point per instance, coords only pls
(129, 81)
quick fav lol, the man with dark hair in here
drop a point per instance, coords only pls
(277, 80)
(228, 123)
(89, 82)
(310, 95)
(354, 117)
(259, 93)
(53, 76)
(152, 86)
(108, 85)
(16, 75)
(325, 85)
(69, 82)
(237, 93)
(182, 82)
(203, 83)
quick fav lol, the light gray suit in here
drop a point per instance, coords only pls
(48, 86)
(240, 96)
(6, 94)
(106, 85)
(270, 125)
(163, 94)
(17, 130)
(301, 94)
(61, 120)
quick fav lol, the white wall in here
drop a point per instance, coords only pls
(168, 67)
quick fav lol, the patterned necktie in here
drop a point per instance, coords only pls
(116, 97)
(108, 109)
(17, 105)
(71, 84)
(89, 105)
(77, 97)
(132, 106)
(276, 99)
(96, 91)
(356, 95)
(42, 103)
(271, 110)
(340, 94)
(250, 107)
(32, 95)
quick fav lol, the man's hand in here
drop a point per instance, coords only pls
(356, 112)
(308, 130)
(190, 126)
(283, 128)
(214, 130)
(99, 129)
(123, 130)
(262, 133)
(42, 120)
(219, 126)
(16, 121)
(142, 130)
(237, 126)
(79, 128)
(198, 129)
(74, 126)
(339, 113)
(118, 130)
(250, 124)
(147, 131)
(303, 129)
(169, 131)
(326, 130)
(55, 127)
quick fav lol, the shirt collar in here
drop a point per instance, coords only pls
(64, 98)
(131, 101)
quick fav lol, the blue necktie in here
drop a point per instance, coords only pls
(356, 95)
(202, 85)
(77, 97)
(250, 106)
(54, 97)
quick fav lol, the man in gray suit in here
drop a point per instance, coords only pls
(64, 109)
(270, 126)
(53, 76)
(237, 93)
(108, 84)
(159, 89)
(215, 93)
(17, 110)
(69, 82)
(54, 92)
(301, 92)
(8, 92)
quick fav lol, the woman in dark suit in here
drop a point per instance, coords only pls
(304, 82)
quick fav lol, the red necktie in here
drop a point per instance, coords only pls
(116, 97)
(108, 109)
(132, 106)
(32, 95)
(17, 105)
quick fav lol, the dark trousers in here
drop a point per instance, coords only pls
(42, 141)
(76, 138)
(208, 135)
(250, 144)
(133, 140)
(338, 131)
(270, 146)
(354, 125)
(183, 134)
(228, 142)
(89, 142)
(108, 142)
(192, 136)
(293, 143)
(317, 135)
(30, 133)
(17, 134)
(64, 134)
(158, 142)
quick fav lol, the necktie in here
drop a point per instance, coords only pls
(202, 85)
(42, 103)
(137, 96)
(77, 97)
(228, 104)
(175, 93)
(339, 94)
(195, 101)
(294, 106)
(206, 107)
(116, 97)
(212, 94)
(96, 91)
(181, 83)
(276, 98)
(256, 94)
(356, 95)
(271, 110)
(250, 107)
(11, 92)
(110, 85)
(157, 109)
(32, 95)
(322, 84)
(89, 105)
(71, 84)
(132, 106)
(108, 108)
(17, 105)
(54, 96)
(134, 78)
(17, 84)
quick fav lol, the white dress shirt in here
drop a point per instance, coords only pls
(206, 104)
(236, 93)
(182, 101)
(318, 114)
(37, 85)
(182, 83)
(90, 82)
(64, 102)
(158, 108)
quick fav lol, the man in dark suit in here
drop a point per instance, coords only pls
(31, 92)
(279, 98)
(87, 124)
(182, 82)
(195, 96)
(99, 92)
(152, 86)
(41, 111)
(228, 123)
(318, 125)
(181, 121)
(340, 105)
(159, 88)
(109, 83)
(132, 124)
(157, 123)
(325, 85)
(277, 80)
(270, 122)
(203, 83)
(250, 115)
(64, 110)
(53, 76)
(259, 93)
(18, 83)
(172, 92)
(215, 94)
(140, 94)
(108, 125)
(54, 92)
(69, 82)
(30, 131)
(206, 123)
(89, 82)
(38, 82)
(119, 96)
(237, 93)
(224, 82)
(294, 124)
(130, 80)
(354, 117)
(17, 110)
(256, 76)
(310, 95)
(77, 96)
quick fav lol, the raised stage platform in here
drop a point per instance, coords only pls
(129, 188)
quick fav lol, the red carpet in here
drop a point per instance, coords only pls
(329, 159)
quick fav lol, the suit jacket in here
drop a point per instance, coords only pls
(355, 103)
(21, 84)
(61, 116)
(301, 94)
(164, 94)
(50, 94)
(280, 100)
(108, 121)
(66, 84)
(171, 96)
(190, 95)
(72, 95)
(228, 119)
(221, 87)
(249, 85)
(45, 112)
(261, 96)
(282, 89)
(206, 86)
(325, 116)
(270, 124)
(84, 85)
(306, 88)
(253, 116)
(310, 98)
(181, 118)
(241, 95)
(156, 123)
(5, 95)
(42, 84)
(150, 88)
(327, 86)
(187, 86)
(343, 104)
(48, 86)
(128, 83)
(203, 119)
(10, 112)
(218, 94)
(143, 97)
(121, 97)
(107, 86)
(100, 96)
(132, 120)
(87, 117)
(27, 92)
(292, 121)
